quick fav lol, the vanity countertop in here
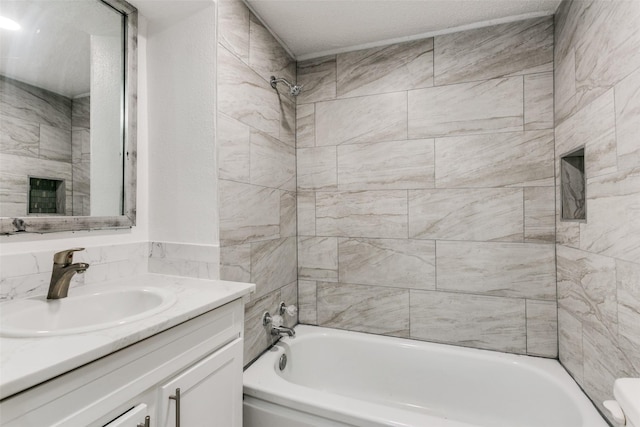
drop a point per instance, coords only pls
(25, 362)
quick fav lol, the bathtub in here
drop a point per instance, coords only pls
(340, 378)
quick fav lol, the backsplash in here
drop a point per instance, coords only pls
(426, 189)
(181, 259)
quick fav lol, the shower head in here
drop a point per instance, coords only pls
(294, 90)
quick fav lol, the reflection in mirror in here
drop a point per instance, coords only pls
(67, 115)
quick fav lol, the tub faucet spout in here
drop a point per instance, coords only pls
(282, 330)
(63, 271)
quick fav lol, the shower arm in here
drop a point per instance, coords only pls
(294, 90)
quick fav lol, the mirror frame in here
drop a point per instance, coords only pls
(48, 224)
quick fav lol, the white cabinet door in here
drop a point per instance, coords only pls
(210, 392)
(134, 417)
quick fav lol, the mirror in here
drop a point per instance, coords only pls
(68, 89)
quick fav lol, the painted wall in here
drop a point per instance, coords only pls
(81, 155)
(597, 105)
(426, 189)
(256, 168)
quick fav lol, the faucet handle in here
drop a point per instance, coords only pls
(66, 256)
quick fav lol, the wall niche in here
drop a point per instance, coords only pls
(573, 186)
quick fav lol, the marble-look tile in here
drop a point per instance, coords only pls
(305, 125)
(520, 47)
(25, 286)
(628, 295)
(81, 178)
(233, 27)
(397, 263)
(267, 57)
(542, 328)
(469, 320)
(316, 168)
(570, 344)
(538, 101)
(234, 149)
(273, 264)
(386, 165)
(587, 287)
(55, 143)
(503, 159)
(572, 187)
(467, 108)
(362, 214)
(539, 214)
(19, 137)
(287, 120)
(519, 270)
(80, 145)
(307, 311)
(235, 263)
(466, 214)
(594, 128)
(606, 53)
(273, 163)
(360, 308)
(306, 211)
(565, 87)
(288, 226)
(393, 68)
(627, 102)
(318, 258)
(289, 295)
(318, 77)
(373, 118)
(81, 112)
(256, 336)
(245, 96)
(248, 212)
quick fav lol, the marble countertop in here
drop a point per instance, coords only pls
(25, 362)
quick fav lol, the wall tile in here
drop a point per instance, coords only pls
(235, 263)
(565, 86)
(467, 108)
(628, 296)
(518, 47)
(539, 214)
(364, 308)
(362, 214)
(288, 226)
(19, 137)
(627, 102)
(234, 149)
(318, 76)
(273, 163)
(307, 312)
(386, 165)
(542, 328)
(306, 211)
(273, 264)
(288, 120)
(267, 57)
(505, 159)
(317, 168)
(469, 320)
(248, 212)
(538, 101)
(398, 263)
(305, 125)
(256, 336)
(233, 28)
(392, 68)
(55, 143)
(502, 269)
(318, 258)
(180, 259)
(466, 214)
(570, 344)
(364, 119)
(81, 113)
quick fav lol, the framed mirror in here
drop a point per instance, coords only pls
(68, 90)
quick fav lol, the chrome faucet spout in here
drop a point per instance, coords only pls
(283, 330)
(63, 271)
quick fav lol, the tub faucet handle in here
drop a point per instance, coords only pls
(290, 310)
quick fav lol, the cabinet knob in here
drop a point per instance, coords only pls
(176, 397)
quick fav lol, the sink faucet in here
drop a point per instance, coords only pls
(63, 271)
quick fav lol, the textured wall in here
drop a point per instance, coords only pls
(256, 166)
(426, 189)
(597, 89)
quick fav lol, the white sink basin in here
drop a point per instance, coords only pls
(84, 310)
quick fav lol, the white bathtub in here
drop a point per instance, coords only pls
(338, 378)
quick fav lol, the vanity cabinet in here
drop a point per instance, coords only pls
(202, 357)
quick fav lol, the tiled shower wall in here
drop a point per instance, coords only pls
(256, 167)
(597, 88)
(426, 189)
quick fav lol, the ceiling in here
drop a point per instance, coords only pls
(313, 28)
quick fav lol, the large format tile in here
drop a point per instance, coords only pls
(318, 78)
(19, 137)
(305, 125)
(587, 287)
(267, 57)
(502, 269)
(564, 90)
(235, 263)
(467, 108)
(273, 163)
(317, 168)
(307, 308)
(306, 212)
(570, 344)
(273, 264)
(538, 101)
(234, 149)
(364, 308)
(371, 118)
(469, 320)
(318, 258)
(233, 27)
(392, 68)
(627, 100)
(539, 214)
(542, 328)
(397, 263)
(504, 159)
(55, 143)
(466, 214)
(362, 214)
(628, 295)
(386, 165)
(256, 336)
(519, 47)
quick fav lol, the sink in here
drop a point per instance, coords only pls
(84, 310)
